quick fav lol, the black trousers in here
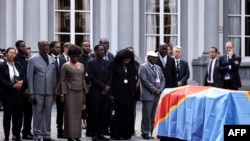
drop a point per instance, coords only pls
(228, 85)
(99, 113)
(12, 103)
(27, 115)
(59, 115)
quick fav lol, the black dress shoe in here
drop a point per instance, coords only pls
(6, 139)
(13, 137)
(70, 139)
(145, 136)
(49, 139)
(27, 137)
(77, 139)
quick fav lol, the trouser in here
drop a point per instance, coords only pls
(12, 103)
(59, 115)
(27, 115)
(42, 116)
(148, 115)
(99, 114)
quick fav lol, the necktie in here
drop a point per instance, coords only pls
(67, 59)
(163, 62)
(157, 81)
(177, 67)
(57, 65)
(210, 70)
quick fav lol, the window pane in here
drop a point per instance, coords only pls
(80, 38)
(62, 4)
(152, 42)
(152, 24)
(247, 7)
(234, 6)
(237, 45)
(63, 38)
(82, 4)
(171, 39)
(247, 26)
(153, 6)
(170, 24)
(235, 26)
(247, 46)
(170, 6)
(62, 22)
(82, 22)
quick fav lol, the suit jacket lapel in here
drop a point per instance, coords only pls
(151, 69)
(41, 60)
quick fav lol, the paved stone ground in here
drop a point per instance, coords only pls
(84, 138)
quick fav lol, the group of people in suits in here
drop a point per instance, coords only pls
(223, 71)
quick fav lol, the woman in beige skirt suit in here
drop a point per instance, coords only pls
(73, 87)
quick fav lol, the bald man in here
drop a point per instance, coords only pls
(41, 75)
(229, 65)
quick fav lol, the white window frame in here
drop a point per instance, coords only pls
(72, 12)
(242, 36)
(161, 14)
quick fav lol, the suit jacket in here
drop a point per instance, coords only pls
(148, 82)
(99, 78)
(215, 73)
(6, 84)
(183, 72)
(234, 71)
(110, 56)
(41, 77)
(23, 60)
(62, 57)
(169, 72)
(62, 60)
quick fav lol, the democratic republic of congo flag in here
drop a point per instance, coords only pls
(199, 113)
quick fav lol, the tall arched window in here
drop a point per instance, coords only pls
(162, 22)
(73, 20)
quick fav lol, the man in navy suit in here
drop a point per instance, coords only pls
(55, 50)
(182, 69)
(229, 65)
(167, 65)
(212, 74)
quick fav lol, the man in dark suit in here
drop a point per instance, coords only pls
(100, 76)
(84, 58)
(55, 50)
(64, 55)
(167, 65)
(108, 55)
(21, 57)
(182, 69)
(41, 76)
(229, 69)
(212, 74)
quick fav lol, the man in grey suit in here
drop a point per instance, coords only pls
(41, 75)
(152, 84)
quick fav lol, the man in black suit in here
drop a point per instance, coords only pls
(21, 57)
(55, 50)
(229, 69)
(212, 74)
(182, 69)
(108, 55)
(84, 58)
(100, 76)
(167, 65)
